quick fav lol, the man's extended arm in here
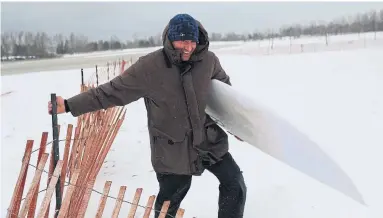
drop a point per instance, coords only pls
(130, 86)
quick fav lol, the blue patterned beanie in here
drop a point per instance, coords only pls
(183, 27)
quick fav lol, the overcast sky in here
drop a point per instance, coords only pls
(101, 20)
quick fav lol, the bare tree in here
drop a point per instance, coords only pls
(380, 20)
(29, 39)
(72, 43)
(42, 45)
(373, 22)
(115, 43)
(59, 42)
(81, 43)
(5, 45)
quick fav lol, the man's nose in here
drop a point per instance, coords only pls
(188, 47)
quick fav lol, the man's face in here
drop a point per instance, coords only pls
(187, 47)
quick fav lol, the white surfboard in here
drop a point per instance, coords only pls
(260, 127)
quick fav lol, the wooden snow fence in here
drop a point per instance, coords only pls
(77, 192)
(77, 171)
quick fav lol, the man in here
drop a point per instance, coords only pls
(174, 82)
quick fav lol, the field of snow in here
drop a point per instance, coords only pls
(335, 97)
(306, 44)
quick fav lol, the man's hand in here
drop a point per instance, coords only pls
(60, 105)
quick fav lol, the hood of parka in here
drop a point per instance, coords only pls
(199, 52)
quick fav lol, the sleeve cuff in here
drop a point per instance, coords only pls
(67, 109)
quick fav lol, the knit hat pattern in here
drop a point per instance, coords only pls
(183, 27)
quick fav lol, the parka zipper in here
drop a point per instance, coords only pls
(183, 72)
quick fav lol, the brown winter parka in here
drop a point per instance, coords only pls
(183, 138)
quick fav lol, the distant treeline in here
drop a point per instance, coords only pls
(28, 45)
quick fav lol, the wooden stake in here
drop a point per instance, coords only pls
(164, 209)
(51, 189)
(180, 213)
(43, 144)
(73, 151)
(50, 172)
(33, 187)
(149, 206)
(135, 202)
(64, 207)
(14, 208)
(103, 199)
(66, 156)
(119, 200)
(85, 199)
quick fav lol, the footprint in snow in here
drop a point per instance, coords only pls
(6, 93)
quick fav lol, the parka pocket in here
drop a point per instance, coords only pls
(172, 138)
(169, 153)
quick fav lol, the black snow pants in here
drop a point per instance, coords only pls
(232, 189)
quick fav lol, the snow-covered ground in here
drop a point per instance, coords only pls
(335, 97)
(306, 44)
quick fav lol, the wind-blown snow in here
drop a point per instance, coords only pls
(336, 98)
